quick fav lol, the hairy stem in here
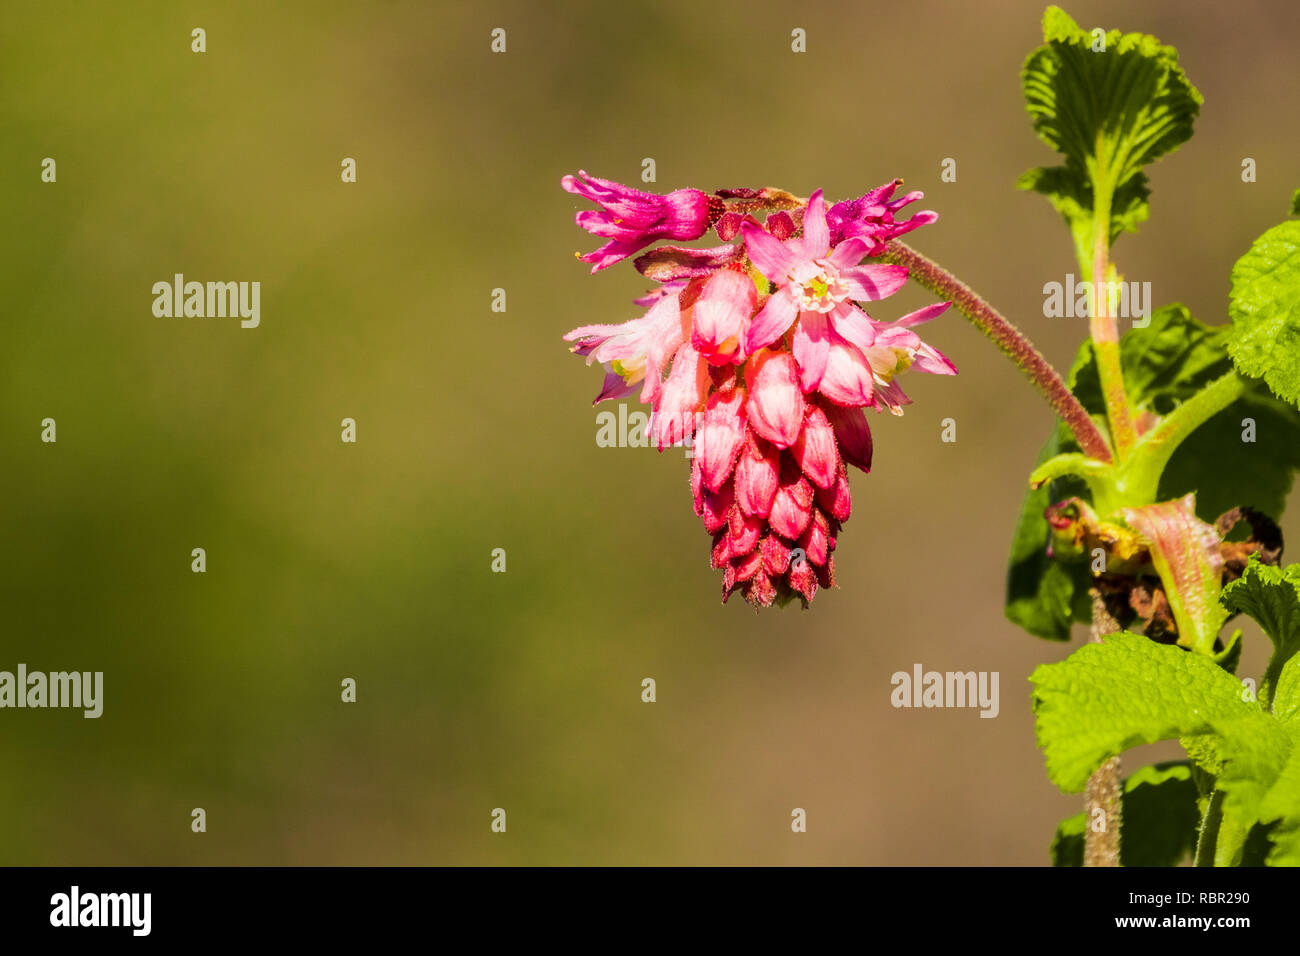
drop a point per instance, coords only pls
(1208, 838)
(1104, 790)
(1219, 842)
(929, 274)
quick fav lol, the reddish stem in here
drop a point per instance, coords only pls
(1010, 340)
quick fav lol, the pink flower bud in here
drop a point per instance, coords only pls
(781, 225)
(682, 396)
(803, 579)
(815, 540)
(852, 433)
(776, 556)
(743, 532)
(757, 472)
(776, 405)
(715, 507)
(721, 316)
(815, 450)
(792, 506)
(631, 219)
(720, 436)
(835, 501)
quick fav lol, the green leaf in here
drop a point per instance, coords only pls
(1265, 308)
(1126, 691)
(1260, 780)
(1045, 596)
(1282, 804)
(1295, 203)
(1271, 596)
(1159, 809)
(1068, 841)
(1110, 113)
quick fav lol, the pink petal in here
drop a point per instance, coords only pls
(848, 253)
(890, 395)
(659, 292)
(614, 386)
(854, 325)
(776, 406)
(929, 359)
(816, 234)
(811, 346)
(923, 315)
(665, 339)
(896, 337)
(872, 282)
(770, 323)
(772, 257)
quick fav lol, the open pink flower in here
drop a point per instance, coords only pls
(815, 290)
(871, 217)
(631, 219)
(896, 349)
(635, 351)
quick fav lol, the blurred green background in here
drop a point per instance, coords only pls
(475, 430)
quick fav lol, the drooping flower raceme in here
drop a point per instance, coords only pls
(758, 355)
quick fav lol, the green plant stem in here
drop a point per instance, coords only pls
(1013, 343)
(1102, 326)
(1208, 838)
(1174, 428)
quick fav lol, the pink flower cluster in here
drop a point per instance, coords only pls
(757, 354)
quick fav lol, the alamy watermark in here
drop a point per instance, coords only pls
(211, 300)
(922, 688)
(75, 689)
(75, 908)
(1124, 300)
(636, 429)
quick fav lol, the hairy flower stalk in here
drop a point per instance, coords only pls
(758, 355)
(1010, 340)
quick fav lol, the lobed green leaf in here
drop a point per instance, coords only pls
(1128, 690)
(1110, 113)
(1265, 308)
